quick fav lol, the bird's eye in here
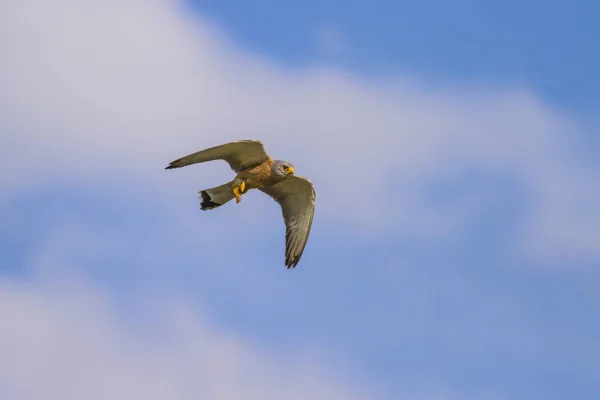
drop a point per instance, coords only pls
(285, 168)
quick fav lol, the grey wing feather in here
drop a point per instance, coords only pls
(239, 155)
(296, 196)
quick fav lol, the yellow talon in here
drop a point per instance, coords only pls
(238, 195)
(238, 190)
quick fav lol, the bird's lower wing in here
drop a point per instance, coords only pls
(296, 196)
(239, 155)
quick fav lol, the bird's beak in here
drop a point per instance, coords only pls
(290, 171)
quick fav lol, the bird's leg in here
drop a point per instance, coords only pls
(238, 190)
(238, 195)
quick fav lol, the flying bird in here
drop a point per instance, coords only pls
(255, 169)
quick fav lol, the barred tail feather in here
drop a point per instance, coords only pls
(217, 196)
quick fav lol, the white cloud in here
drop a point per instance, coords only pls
(69, 341)
(120, 88)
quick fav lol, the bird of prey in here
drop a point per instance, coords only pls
(255, 169)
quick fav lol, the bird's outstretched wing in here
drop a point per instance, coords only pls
(296, 196)
(239, 155)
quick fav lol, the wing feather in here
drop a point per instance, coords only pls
(239, 155)
(296, 196)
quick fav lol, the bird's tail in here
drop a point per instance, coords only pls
(217, 196)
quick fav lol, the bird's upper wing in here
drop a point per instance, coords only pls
(296, 196)
(239, 155)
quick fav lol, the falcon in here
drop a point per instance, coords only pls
(255, 169)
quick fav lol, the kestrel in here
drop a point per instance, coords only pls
(256, 170)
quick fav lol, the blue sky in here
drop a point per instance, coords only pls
(545, 45)
(455, 247)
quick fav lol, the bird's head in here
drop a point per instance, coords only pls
(283, 168)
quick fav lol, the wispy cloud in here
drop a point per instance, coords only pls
(69, 341)
(92, 90)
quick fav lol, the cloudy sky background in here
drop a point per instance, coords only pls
(456, 242)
